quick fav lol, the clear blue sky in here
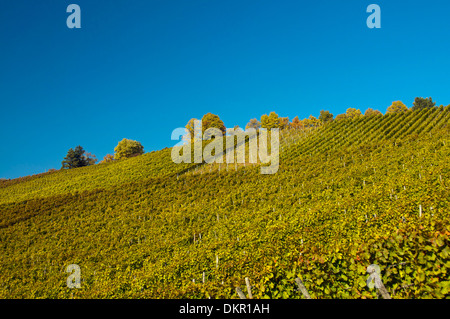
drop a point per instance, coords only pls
(139, 69)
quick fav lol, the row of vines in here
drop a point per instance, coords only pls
(349, 194)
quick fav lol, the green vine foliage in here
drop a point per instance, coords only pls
(373, 190)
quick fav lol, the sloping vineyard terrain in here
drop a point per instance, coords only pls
(373, 190)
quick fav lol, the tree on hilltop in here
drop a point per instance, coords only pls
(341, 117)
(128, 148)
(77, 158)
(284, 123)
(325, 116)
(270, 121)
(421, 103)
(353, 113)
(312, 121)
(108, 158)
(190, 127)
(297, 123)
(253, 123)
(208, 120)
(397, 107)
(371, 112)
(91, 158)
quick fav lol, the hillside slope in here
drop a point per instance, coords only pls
(374, 190)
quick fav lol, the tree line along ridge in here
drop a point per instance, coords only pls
(355, 191)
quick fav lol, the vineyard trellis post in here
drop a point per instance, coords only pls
(302, 288)
(374, 275)
(240, 293)
(249, 288)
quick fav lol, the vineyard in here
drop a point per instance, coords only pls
(348, 194)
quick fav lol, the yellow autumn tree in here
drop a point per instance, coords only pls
(353, 113)
(270, 121)
(372, 112)
(284, 122)
(108, 158)
(297, 123)
(312, 121)
(254, 123)
(397, 107)
(128, 148)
